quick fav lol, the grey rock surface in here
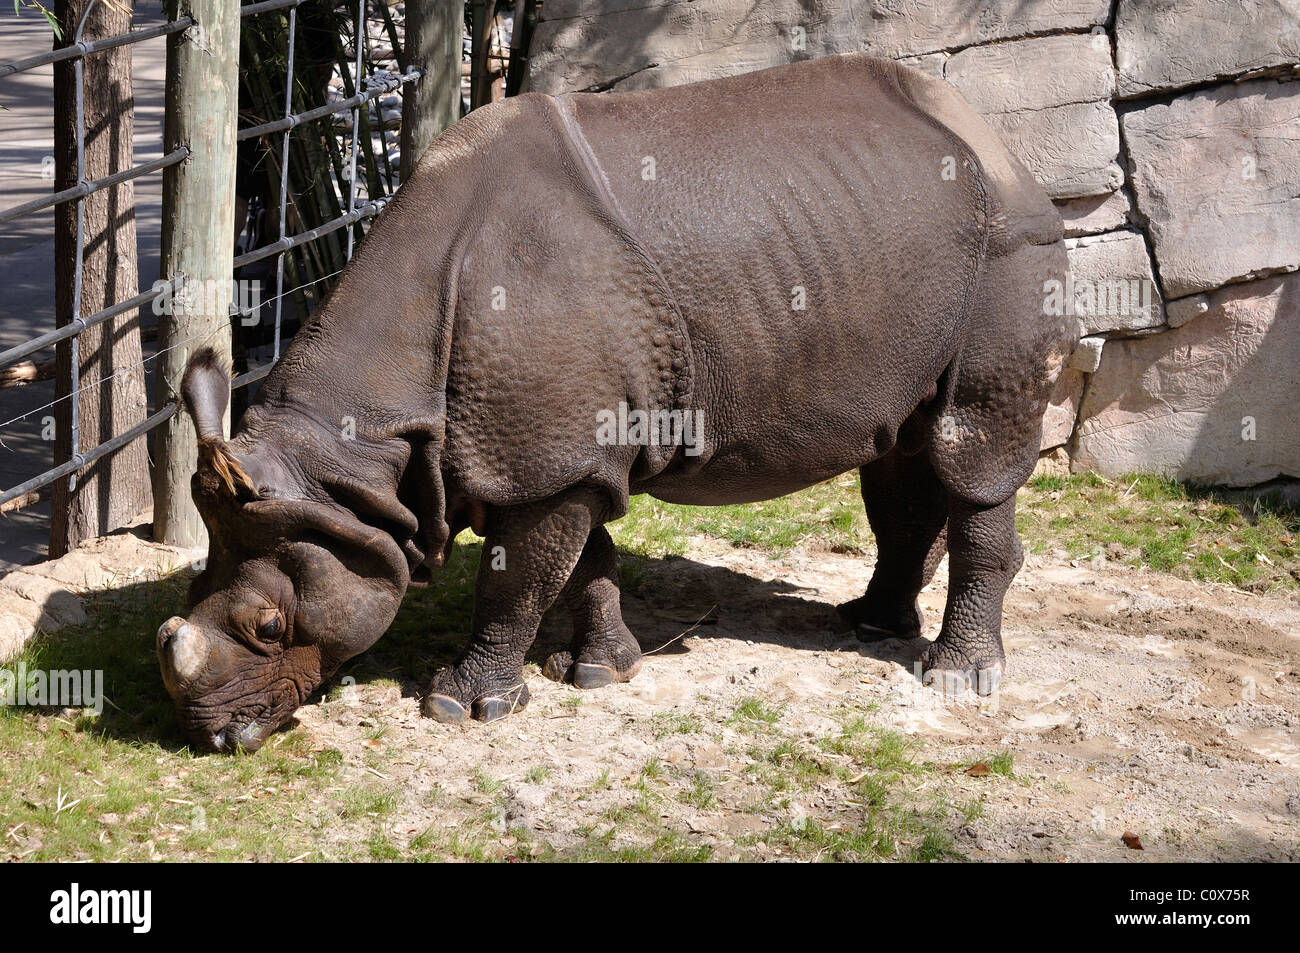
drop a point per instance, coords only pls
(1166, 44)
(1062, 409)
(1216, 174)
(1210, 402)
(1094, 214)
(1113, 285)
(581, 44)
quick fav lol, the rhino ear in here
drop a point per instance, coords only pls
(206, 391)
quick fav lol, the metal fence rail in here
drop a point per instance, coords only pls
(366, 91)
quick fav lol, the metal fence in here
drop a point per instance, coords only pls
(77, 50)
(365, 91)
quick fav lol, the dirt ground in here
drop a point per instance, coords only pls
(1135, 702)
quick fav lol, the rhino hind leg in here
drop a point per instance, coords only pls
(529, 554)
(907, 508)
(603, 650)
(985, 555)
(984, 446)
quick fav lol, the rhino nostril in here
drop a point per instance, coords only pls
(250, 738)
(231, 741)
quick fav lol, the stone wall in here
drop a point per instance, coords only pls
(1167, 132)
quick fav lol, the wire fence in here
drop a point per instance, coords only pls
(366, 89)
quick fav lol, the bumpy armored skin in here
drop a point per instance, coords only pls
(820, 267)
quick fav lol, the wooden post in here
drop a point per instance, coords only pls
(480, 40)
(433, 43)
(198, 220)
(520, 39)
(95, 268)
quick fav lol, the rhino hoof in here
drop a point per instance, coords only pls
(492, 707)
(560, 667)
(983, 679)
(445, 709)
(983, 682)
(874, 624)
(871, 633)
(593, 675)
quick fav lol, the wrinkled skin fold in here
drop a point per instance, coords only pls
(835, 265)
(287, 585)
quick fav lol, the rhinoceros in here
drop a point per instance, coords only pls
(716, 293)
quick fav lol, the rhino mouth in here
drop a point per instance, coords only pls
(249, 728)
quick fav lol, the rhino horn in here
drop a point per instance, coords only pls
(182, 650)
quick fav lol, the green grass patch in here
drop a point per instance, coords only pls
(123, 785)
(829, 514)
(1200, 533)
(878, 817)
(1003, 764)
(667, 723)
(752, 713)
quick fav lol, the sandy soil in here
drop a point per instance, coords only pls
(1135, 702)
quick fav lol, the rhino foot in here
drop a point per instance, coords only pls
(560, 667)
(955, 670)
(598, 658)
(872, 623)
(453, 699)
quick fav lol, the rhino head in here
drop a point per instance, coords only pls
(294, 584)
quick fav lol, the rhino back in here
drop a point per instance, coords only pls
(823, 176)
(1020, 210)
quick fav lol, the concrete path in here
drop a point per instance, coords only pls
(27, 245)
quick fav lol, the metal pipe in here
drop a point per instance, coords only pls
(358, 84)
(76, 327)
(96, 46)
(373, 91)
(284, 182)
(74, 345)
(83, 188)
(255, 8)
(368, 210)
(90, 456)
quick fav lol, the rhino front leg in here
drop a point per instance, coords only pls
(528, 555)
(603, 650)
(985, 555)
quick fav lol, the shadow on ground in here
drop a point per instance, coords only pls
(663, 598)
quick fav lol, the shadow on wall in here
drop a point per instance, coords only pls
(625, 40)
(1250, 432)
(595, 45)
(1211, 402)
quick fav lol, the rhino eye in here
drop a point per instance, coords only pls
(271, 628)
